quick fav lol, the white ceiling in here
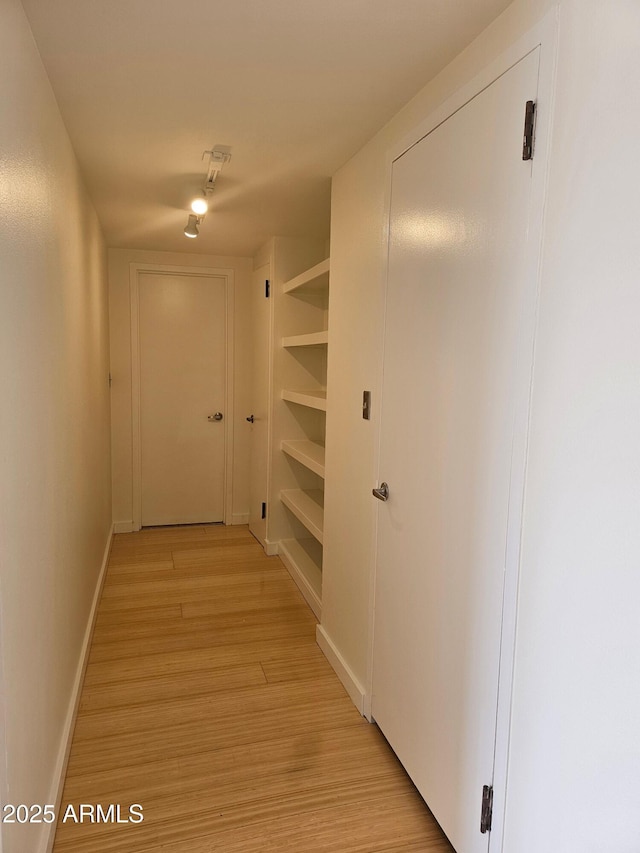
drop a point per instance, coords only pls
(294, 87)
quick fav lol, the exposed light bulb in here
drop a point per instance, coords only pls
(200, 205)
(191, 228)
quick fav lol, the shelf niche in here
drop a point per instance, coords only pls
(304, 339)
(303, 559)
(307, 453)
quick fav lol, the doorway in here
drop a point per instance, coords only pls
(460, 294)
(182, 394)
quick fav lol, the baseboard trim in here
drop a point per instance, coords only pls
(350, 682)
(271, 548)
(127, 526)
(72, 713)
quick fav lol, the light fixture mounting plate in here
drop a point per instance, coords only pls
(219, 155)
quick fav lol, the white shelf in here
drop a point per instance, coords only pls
(308, 453)
(316, 278)
(308, 507)
(315, 399)
(313, 339)
(306, 573)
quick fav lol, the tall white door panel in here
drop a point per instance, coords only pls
(182, 339)
(457, 287)
(261, 323)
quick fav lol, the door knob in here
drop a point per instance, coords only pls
(382, 493)
(217, 417)
(251, 419)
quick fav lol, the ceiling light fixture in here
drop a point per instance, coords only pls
(218, 156)
(200, 204)
(191, 228)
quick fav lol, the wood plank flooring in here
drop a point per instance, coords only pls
(207, 701)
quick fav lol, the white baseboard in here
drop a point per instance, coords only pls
(270, 548)
(127, 526)
(67, 734)
(351, 684)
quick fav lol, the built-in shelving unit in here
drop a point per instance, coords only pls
(308, 507)
(307, 453)
(303, 334)
(315, 279)
(312, 398)
(312, 339)
(305, 567)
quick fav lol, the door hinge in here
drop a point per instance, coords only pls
(487, 809)
(529, 123)
(264, 510)
(267, 288)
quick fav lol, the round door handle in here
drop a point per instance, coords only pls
(217, 417)
(251, 419)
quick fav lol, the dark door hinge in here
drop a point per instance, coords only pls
(267, 288)
(487, 809)
(264, 510)
(529, 123)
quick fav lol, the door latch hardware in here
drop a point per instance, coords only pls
(529, 122)
(382, 493)
(366, 405)
(251, 419)
(217, 417)
(486, 813)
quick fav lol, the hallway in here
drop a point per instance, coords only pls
(207, 702)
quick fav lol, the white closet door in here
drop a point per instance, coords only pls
(457, 287)
(182, 323)
(262, 375)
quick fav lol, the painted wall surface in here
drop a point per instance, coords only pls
(55, 481)
(575, 746)
(120, 319)
(358, 258)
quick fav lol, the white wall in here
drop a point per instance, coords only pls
(358, 245)
(120, 320)
(575, 747)
(574, 780)
(55, 488)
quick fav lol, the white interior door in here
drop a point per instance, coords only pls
(457, 290)
(182, 323)
(261, 321)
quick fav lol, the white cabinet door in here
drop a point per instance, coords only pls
(457, 287)
(182, 340)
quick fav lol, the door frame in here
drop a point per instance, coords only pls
(135, 270)
(543, 36)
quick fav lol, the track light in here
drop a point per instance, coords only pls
(191, 228)
(219, 155)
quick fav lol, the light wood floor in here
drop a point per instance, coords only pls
(208, 702)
